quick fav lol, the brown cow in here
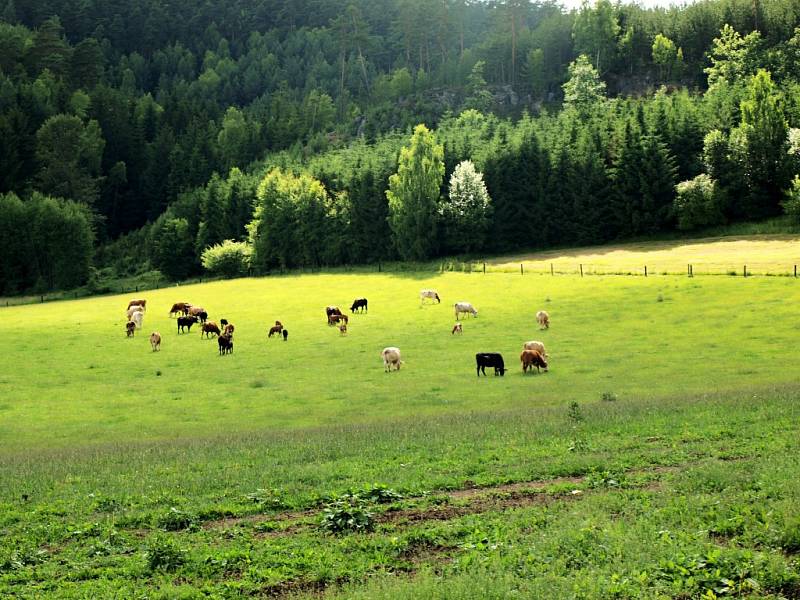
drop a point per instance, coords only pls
(208, 328)
(332, 311)
(140, 302)
(333, 319)
(130, 328)
(180, 308)
(343, 329)
(457, 329)
(225, 345)
(530, 359)
(275, 330)
(155, 341)
(228, 331)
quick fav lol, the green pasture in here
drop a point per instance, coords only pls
(75, 379)
(657, 458)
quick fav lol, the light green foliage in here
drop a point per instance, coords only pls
(413, 195)
(697, 203)
(228, 259)
(466, 216)
(234, 139)
(666, 55)
(480, 98)
(584, 89)
(733, 57)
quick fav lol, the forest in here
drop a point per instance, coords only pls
(248, 136)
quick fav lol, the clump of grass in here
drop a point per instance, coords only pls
(164, 554)
(574, 412)
(258, 383)
(608, 397)
(158, 373)
(268, 498)
(660, 298)
(177, 520)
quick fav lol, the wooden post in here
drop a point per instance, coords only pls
(744, 271)
(645, 270)
(551, 269)
(42, 299)
(379, 266)
(795, 270)
(137, 289)
(484, 268)
(521, 272)
(691, 270)
(688, 270)
(581, 266)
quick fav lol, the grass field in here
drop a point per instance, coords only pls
(657, 458)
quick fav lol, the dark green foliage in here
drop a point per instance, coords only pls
(349, 514)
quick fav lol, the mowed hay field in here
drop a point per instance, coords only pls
(657, 458)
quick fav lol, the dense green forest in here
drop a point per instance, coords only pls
(142, 135)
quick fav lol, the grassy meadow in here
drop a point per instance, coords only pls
(657, 458)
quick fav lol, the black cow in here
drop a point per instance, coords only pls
(285, 334)
(203, 316)
(358, 304)
(490, 359)
(186, 322)
(225, 344)
(223, 323)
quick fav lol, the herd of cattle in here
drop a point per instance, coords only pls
(533, 352)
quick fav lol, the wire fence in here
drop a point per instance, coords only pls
(553, 269)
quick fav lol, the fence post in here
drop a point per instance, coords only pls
(379, 266)
(691, 270)
(551, 268)
(42, 299)
(645, 270)
(795, 270)
(521, 272)
(484, 268)
(137, 289)
(581, 266)
(744, 271)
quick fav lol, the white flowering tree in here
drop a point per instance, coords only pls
(467, 215)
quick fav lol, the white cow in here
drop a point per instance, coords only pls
(465, 308)
(138, 318)
(543, 319)
(534, 345)
(391, 357)
(134, 309)
(429, 294)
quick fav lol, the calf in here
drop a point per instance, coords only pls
(209, 328)
(155, 341)
(532, 358)
(490, 359)
(285, 334)
(130, 328)
(543, 319)
(186, 322)
(225, 345)
(137, 318)
(228, 330)
(359, 304)
(275, 330)
(134, 309)
(333, 319)
(343, 329)
(457, 329)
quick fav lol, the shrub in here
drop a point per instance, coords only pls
(791, 206)
(228, 259)
(609, 397)
(698, 203)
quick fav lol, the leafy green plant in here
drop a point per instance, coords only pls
(609, 397)
(268, 498)
(176, 520)
(350, 514)
(164, 554)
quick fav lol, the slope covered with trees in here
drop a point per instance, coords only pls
(169, 126)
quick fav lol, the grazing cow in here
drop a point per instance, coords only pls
(186, 322)
(279, 325)
(138, 318)
(134, 309)
(465, 308)
(228, 330)
(180, 308)
(534, 345)
(130, 327)
(140, 302)
(391, 358)
(332, 311)
(543, 319)
(359, 304)
(285, 333)
(429, 294)
(490, 359)
(196, 311)
(457, 329)
(275, 330)
(530, 359)
(155, 341)
(333, 319)
(343, 329)
(225, 345)
(209, 328)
